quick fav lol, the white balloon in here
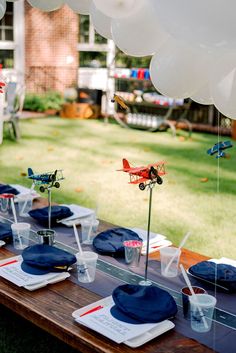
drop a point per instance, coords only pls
(2, 8)
(178, 71)
(210, 24)
(46, 5)
(80, 6)
(101, 22)
(203, 95)
(116, 8)
(223, 85)
(139, 34)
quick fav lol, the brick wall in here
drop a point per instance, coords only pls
(50, 44)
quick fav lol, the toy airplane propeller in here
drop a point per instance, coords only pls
(144, 176)
(218, 148)
(51, 179)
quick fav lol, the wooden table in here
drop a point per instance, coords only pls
(51, 309)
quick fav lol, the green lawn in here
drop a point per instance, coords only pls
(90, 153)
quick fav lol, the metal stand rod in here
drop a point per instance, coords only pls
(148, 231)
(49, 207)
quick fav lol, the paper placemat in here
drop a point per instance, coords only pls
(10, 269)
(97, 317)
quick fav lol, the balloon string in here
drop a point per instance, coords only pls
(218, 159)
(218, 190)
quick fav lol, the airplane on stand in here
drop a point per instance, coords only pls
(51, 179)
(144, 176)
(2, 85)
(218, 148)
(120, 101)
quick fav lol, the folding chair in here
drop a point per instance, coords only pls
(15, 95)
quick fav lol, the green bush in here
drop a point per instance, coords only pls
(43, 102)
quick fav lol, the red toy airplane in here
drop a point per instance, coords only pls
(2, 84)
(144, 175)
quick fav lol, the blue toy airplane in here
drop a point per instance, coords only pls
(218, 148)
(50, 179)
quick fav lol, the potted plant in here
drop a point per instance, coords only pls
(69, 108)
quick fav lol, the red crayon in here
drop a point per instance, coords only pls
(8, 263)
(92, 310)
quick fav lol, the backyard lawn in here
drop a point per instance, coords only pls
(91, 152)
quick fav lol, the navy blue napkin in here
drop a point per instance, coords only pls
(138, 304)
(8, 189)
(41, 259)
(57, 213)
(110, 242)
(220, 274)
(5, 232)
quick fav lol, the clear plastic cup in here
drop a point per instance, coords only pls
(89, 227)
(86, 225)
(201, 320)
(20, 234)
(186, 293)
(86, 266)
(24, 204)
(6, 204)
(132, 252)
(170, 261)
(95, 226)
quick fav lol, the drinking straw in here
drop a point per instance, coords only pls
(13, 209)
(194, 295)
(77, 239)
(15, 219)
(80, 250)
(177, 251)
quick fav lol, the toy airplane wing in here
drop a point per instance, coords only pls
(156, 164)
(225, 144)
(132, 170)
(137, 170)
(160, 167)
(213, 150)
(138, 181)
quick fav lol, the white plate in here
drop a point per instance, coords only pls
(156, 241)
(138, 341)
(79, 212)
(2, 243)
(24, 190)
(154, 237)
(58, 278)
(156, 246)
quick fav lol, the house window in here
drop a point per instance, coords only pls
(92, 59)
(6, 24)
(87, 33)
(92, 46)
(7, 58)
(7, 37)
(84, 29)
